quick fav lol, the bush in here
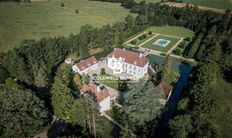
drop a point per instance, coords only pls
(76, 11)
(62, 4)
(177, 52)
(103, 71)
(134, 42)
(182, 45)
(163, 54)
(150, 32)
(141, 37)
(195, 46)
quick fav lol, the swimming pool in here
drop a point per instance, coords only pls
(161, 42)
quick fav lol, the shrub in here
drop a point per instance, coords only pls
(150, 32)
(187, 39)
(163, 54)
(177, 52)
(62, 4)
(182, 45)
(133, 42)
(195, 46)
(140, 37)
(144, 36)
(103, 71)
(76, 11)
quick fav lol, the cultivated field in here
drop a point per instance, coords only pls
(48, 19)
(221, 4)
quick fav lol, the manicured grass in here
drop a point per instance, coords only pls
(49, 19)
(108, 82)
(172, 30)
(152, 46)
(221, 4)
(138, 41)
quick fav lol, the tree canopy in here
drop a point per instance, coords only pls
(22, 113)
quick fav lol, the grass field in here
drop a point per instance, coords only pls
(149, 44)
(172, 30)
(148, 1)
(49, 19)
(221, 4)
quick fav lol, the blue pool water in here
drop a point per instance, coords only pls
(161, 42)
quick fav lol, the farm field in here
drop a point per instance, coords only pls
(148, 1)
(220, 4)
(48, 19)
(152, 46)
(172, 30)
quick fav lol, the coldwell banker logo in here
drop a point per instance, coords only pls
(116, 65)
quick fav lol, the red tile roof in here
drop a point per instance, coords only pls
(165, 87)
(83, 64)
(98, 92)
(130, 57)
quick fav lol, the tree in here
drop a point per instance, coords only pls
(195, 46)
(142, 106)
(166, 69)
(77, 81)
(103, 71)
(130, 21)
(22, 113)
(40, 75)
(122, 85)
(181, 126)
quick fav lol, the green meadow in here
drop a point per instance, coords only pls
(48, 19)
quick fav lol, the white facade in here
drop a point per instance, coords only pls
(86, 70)
(133, 70)
(104, 105)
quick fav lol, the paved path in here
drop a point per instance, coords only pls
(135, 37)
(147, 40)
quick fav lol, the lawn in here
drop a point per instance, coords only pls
(140, 41)
(172, 30)
(221, 4)
(149, 44)
(49, 19)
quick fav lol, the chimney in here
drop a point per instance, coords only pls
(124, 49)
(140, 54)
(115, 48)
(98, 89)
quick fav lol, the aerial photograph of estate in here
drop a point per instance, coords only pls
(115, 68)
